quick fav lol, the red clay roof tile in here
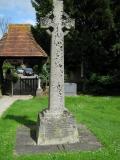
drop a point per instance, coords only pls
(19, 42)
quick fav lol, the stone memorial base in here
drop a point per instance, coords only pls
(26, 142)
(39, 92)
(54, 128)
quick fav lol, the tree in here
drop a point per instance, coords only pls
(93, 21)
(95, 42)
(44, 75)
(42, 38)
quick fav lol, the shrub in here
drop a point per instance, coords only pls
(99, 84)
(14, 77)
(45, 74)
(8, 67)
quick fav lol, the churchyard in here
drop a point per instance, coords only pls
(56, 127)
(99, 114)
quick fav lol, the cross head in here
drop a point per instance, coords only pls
(50, 22)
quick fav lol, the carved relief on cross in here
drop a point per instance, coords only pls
(50, 21)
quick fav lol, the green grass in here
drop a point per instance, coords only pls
(100, 114)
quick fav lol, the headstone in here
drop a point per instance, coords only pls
(55, 124)
(70, 89)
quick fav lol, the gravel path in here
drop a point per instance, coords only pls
(6, 101)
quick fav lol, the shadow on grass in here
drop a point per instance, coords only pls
(21, 119)
(26, 122)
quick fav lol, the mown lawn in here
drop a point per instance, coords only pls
(100, 114)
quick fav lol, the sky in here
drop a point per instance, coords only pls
(17, 11)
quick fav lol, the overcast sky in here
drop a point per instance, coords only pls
(17, 11)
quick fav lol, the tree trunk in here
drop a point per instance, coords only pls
(82, 69)
(83, 76)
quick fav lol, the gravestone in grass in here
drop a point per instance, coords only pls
(55, 124)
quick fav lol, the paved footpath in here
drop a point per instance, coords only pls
(6, 101)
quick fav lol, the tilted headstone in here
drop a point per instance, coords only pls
(56, 125)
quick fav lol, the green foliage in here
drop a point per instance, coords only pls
(37, 69)
(44, 75)
(14, 77)
(94, 20)
(42, 8)
(95, 42)
(42, 38)
(9, 67)
(104, 80)
(116, 48)
(101, 84)
(66, 76)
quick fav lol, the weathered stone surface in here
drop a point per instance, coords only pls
(26, 144)
(58, 20)
(70, 89)
(56, 125)
(56, 129)
(39, 92)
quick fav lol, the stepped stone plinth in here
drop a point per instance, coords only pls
(56, 129)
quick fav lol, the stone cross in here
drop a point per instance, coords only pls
(55, 124)
(57, 21)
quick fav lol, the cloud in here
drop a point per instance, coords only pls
(29, 21)
(12, 4)
(17, 11)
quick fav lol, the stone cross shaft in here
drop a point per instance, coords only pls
(58, 21)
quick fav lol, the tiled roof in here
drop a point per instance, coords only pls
(19, 42)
